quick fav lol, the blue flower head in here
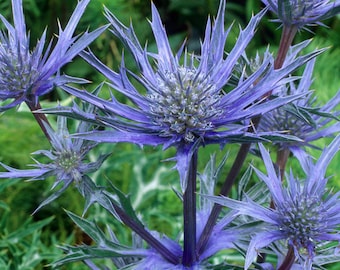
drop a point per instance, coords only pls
(27, 74)
(304, 215)
(68, 160)
(184, 104)
(302, 13)
(302, 118)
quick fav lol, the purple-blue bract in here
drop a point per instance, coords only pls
(26, 74)
(184, 103)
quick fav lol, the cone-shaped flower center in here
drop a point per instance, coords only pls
(185, 104)
(68, 161)
(286, 122)
(302, 220)
(16, 70)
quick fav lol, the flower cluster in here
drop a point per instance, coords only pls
(187, 100)
(185, 104)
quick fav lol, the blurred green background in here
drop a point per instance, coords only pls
(29, 242)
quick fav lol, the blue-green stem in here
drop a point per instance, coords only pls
(189, 215)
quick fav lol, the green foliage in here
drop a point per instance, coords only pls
(21, 247)
(19, 136)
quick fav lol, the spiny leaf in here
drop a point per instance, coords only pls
(83, 253)
(301, 113)
(90, 228)
(126, 205)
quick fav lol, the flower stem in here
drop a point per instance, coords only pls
(189, 215)
(227, 185)
(39, 117)
(281, 160)
(289, 260)
(286, 41)
(287, 37)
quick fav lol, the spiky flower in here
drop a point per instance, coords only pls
(304, 213)
(68, 160)
(184, 105)
(301, 13)
(302, 118)
(27, 74)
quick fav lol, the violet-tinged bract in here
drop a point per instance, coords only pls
(302, 13)
(304, 213)
(302, 118)
(27, 74)
(184, 105)
(69, 161)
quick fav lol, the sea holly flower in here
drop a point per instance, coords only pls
(68, 160)
(184, 104)
(27, 74)
(301, 13)
(302, 118)
(304, 213)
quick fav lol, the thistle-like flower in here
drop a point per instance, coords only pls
(301, 13)
(27, 74)
(304, 213)
(68, 160)
(184, 104)
(302, 118)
